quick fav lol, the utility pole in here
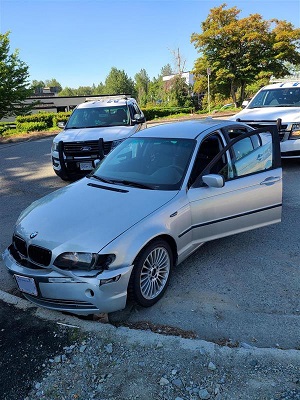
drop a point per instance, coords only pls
(208, 91)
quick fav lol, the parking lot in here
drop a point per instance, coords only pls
(240, 289)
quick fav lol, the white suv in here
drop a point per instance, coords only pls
(92, 131)
(276, 104)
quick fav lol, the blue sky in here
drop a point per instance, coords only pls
(77, 42)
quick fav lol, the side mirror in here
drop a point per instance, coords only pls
(61, 124)
(213, 180)
(245, 103)
(138, 118)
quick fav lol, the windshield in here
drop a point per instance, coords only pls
(98, 116)
(150, 163)
(280, 97)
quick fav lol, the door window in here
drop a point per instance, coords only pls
(246, 153)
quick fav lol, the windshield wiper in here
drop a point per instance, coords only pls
(100, 179)
(131, 183)
(121, 182)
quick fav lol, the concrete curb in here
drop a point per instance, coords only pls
(148, 338)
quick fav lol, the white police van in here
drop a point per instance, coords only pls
(92, 131)
(276, 104)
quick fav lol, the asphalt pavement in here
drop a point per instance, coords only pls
(235, 296)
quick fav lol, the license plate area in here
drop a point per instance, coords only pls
(86, 166)
(26, 285)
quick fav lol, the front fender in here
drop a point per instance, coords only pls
(170, 221)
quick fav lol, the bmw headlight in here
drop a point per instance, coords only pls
(84, 261)
(295, 132)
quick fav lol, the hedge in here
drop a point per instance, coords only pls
(31, 126)
(159, 112)
(61, 117)
(46, 118)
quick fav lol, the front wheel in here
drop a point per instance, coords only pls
(151, 273)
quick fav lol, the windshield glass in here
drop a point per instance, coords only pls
(150, 163)
(98, 116)
(280, 97)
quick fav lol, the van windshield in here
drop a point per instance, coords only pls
(98, 116)
(279, 97)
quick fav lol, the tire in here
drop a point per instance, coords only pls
(151, 273)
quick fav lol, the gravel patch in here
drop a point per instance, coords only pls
(127, 364)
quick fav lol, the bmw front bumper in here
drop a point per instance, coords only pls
(106, 292)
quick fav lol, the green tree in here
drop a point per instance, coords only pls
(117, 82)
(53, 83)
(179, 92)
(240, 51)
(156, 91)
(142, 81)
(37, 85)
(14, 84)
(99, 89)
(67, 91)
(166, 70)
(84, 91)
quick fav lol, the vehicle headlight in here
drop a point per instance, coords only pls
(295, 132)
(54, 146)
(84, 261)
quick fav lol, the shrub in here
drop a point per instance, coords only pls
(9, 132)
(61, 117)
(46, 118)
(31, 126)
(160, 112)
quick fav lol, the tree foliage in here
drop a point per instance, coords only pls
(14, 84)
(53, 83)
(240, 51)
(179, 92)
(142, 81)
(166, 70)
(118, 82)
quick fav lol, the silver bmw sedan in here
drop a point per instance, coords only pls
(116, 234)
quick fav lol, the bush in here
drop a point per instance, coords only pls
(9, 132)
(31, 126)
(46, 118)
(61, 117)
(159, 112)
(5, 126)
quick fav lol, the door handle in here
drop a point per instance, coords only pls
(270, 180)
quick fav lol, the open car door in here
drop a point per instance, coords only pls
(240, 189)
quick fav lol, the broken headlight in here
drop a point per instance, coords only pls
(84, 261)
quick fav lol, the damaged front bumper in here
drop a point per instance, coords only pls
(46, 287)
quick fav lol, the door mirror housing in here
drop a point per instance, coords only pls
(214, 180)
(138, 119)
(61, 124)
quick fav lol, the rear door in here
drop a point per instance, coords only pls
(252, 193)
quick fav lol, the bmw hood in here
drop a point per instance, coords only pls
(87, 215)
(107, 133)
(287, 114)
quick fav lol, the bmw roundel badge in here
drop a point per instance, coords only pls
(33, 235)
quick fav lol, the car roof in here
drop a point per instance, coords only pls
(107, 101)
(280, 85)
(190, 129)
